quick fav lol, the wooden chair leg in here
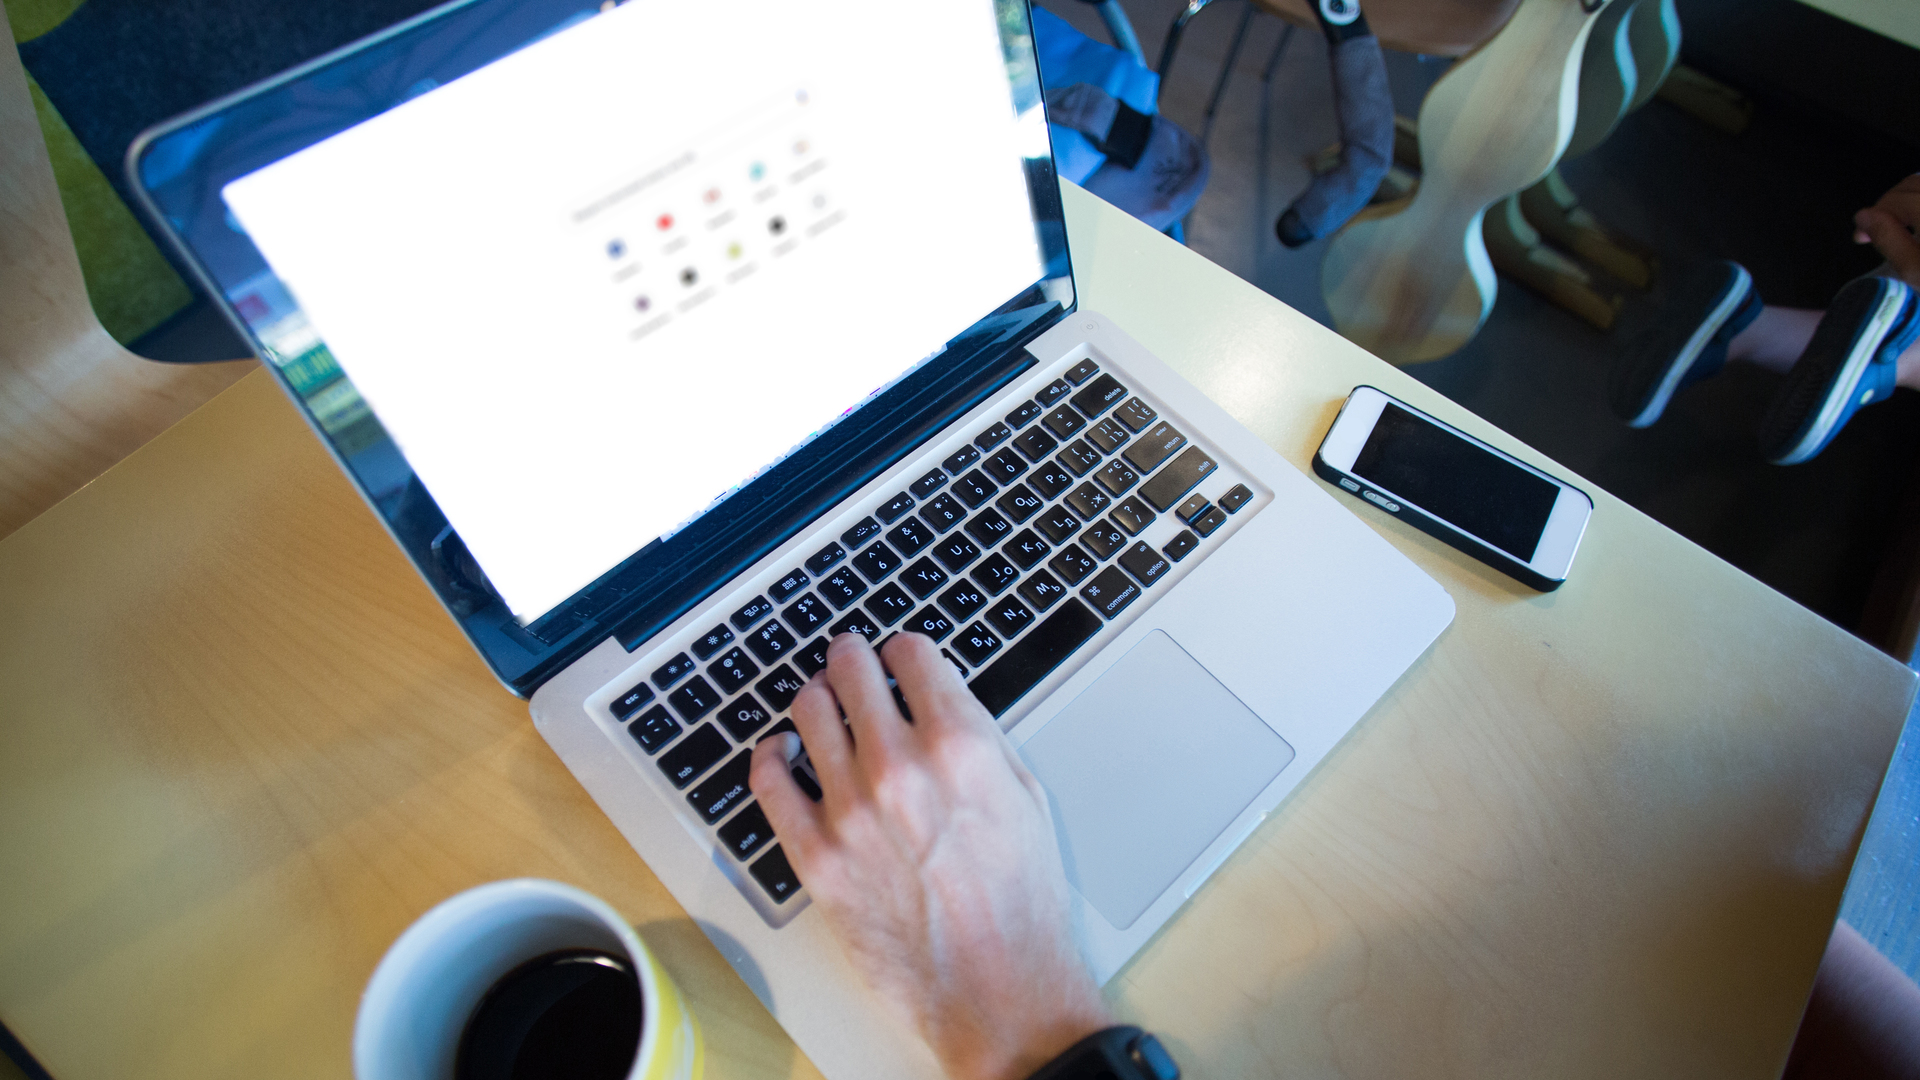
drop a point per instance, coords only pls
(1517, 252)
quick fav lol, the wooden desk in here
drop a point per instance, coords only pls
(1601, 832)
(1896, 19)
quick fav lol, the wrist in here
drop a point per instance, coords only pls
(1016, 1055)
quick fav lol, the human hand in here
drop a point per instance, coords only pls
(1888, 225)
(933, 858)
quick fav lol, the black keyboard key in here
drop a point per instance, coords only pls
(1063, 422)
(694, 700)
(1191, 509)
(877, 562)
(732, 671)
(1145, 563)
(962, 600)
(866, 529)
(1072, 564)
(795, 580)
(1020, 503)
(747, 833)
(1102, 539)
(961, 458)
(1132, 515)
(1235, 498)
(930, 622)
(992, 437)
(1210, 519)
(1080, 457)
(1172, 483)
(696, 754)
(778, 688)
(1108, 435)
(1058, 524)
(655, 728)
(807, 614)
(1110, 592)
(1136, 414)
(629, 703)
(1053, 392)
(1116, 477)
(842, 588)
(756, 609)
(928, 484)
(1050, 480)
(1099, 397)
(1009, 616)
(1027, 413)
(922, 578)
(806, 783)
(955, 661)
(1027, 549)
(995, 574)
(1082, 371)
(889, 604)
(826, 557)
(811, 658)
(1156, 446)
(1004, 467)
(955, 552)
(974, 489)
(1036, 444)
(724, 790)
(672, 671)
(858, 622)
(1089, 502)
(713, 641)
(976, 643)
(943, 512)
(1035, 657)
(910, 536)
(989, 528)
(743, 716)
(891, 511)
(775, 875)
(771, 642)
(1042, 590)
(1181, 545)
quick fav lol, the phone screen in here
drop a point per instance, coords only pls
(1451, 478)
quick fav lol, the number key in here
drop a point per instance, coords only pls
(974, 489)
(732, 670)
(807, 614)
(876, 562)
(842, 587)
(943, 512)
(910, 536)
(771, 642)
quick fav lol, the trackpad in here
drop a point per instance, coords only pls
(1146, 768)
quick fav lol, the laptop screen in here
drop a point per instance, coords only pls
(591, 291)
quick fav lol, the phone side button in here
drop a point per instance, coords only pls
(1348, 484)
(1382, 502)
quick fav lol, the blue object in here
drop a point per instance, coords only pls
(1068, 56)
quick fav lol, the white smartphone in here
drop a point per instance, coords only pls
(1454, 487)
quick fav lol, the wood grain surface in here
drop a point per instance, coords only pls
(1600, 832)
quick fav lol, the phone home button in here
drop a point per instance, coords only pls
(1382, 502)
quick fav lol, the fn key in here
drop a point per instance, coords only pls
(775, 875)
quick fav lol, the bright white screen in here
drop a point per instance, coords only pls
(501, 266)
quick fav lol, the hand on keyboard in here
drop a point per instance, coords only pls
(933, 858)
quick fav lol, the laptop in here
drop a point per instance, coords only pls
(671, 340)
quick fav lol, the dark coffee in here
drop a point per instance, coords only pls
(573, 1014)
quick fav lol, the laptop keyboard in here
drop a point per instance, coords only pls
(1012, 551)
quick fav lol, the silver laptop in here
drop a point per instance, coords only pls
(671, 340)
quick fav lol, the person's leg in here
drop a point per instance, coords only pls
(1775, 339)
(1863, 1020)
(1853, 359)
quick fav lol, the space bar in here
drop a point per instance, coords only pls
(1033, 657)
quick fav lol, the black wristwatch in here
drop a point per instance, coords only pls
(1122, 1053)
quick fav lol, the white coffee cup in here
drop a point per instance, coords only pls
(427, 986)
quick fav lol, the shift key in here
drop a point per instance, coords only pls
(1172, 483)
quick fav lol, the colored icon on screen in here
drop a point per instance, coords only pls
(756, 171)
(800, 146)
(641, 303)
(664, 222)
(689, 277)
(819, 201)
(712, 195)
(616, 248)
(733, 250)
(776, 225)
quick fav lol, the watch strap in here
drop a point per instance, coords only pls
(1123, 1053)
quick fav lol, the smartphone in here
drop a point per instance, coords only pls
(1446, 483)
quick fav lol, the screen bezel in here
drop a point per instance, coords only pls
(205, 149)
(1566, 522)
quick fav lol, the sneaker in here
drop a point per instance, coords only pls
(1712, 305)
(1849, 363)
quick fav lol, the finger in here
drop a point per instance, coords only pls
(935, 695)
(817, 716)
(858, 680)
(794, 817)
(1894, 241)
(1902, 201)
